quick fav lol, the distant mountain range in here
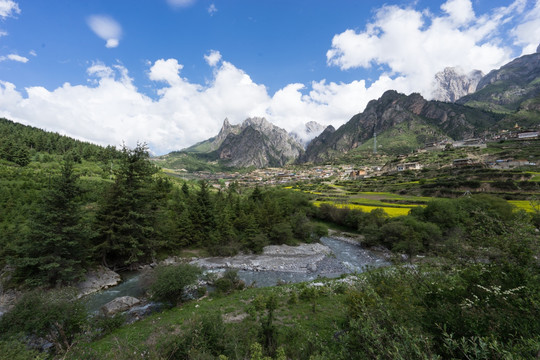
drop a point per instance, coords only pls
(255, 142)
(506, 89)
(402, 123)
(466, 106)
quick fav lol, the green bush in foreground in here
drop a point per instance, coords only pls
(171, 281)
(55, 316)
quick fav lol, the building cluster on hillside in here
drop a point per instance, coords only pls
(274, 176)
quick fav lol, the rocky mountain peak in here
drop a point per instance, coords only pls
(538, 49)
(226, 129)
(258, 143)
(453, 83)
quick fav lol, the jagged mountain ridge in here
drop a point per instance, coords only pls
(255, 142)
(404, 121)
(428, 120)
(215, 142)
(259, 144)
(507, 88)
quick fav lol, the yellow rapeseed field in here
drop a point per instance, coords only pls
(522, 204)
(391, 211)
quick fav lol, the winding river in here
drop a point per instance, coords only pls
(331, 258)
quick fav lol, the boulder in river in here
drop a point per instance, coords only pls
(119, 305)
(98, 279)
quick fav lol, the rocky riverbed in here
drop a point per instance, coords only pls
(334, 256)
(302, 258)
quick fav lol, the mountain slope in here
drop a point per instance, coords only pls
(259, 144)
(253, 143)
(505, 89)
(412, 117)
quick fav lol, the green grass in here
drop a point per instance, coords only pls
(142, 336)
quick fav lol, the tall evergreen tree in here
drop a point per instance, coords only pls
(55, 248)
(125, 219)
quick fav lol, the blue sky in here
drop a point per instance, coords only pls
(167, 72)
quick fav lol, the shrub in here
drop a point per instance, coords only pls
(320, 230)
(171, 281)
(56, 316)
(229, 282)
(13, 349)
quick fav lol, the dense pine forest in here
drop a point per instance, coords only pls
(473, 291)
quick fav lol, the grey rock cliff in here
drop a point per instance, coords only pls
(258, 144)
(452, 84)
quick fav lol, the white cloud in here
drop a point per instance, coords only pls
(213, 58)
(415, 44)
(527, 33)
(460, 11)
(14, 57)
(106, 28)
(33, 52)
(212, 9)
(9, 8)
(3, 33)
(412, 44)
(111, 109)
(167, 71)
(180, 3)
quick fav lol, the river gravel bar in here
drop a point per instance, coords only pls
(302, 258)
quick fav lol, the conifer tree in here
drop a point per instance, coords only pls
(55, 248)
(125, 219)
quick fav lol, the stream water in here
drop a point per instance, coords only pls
(345, 258)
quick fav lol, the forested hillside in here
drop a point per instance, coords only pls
(71, 205)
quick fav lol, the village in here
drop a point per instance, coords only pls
(378, 164)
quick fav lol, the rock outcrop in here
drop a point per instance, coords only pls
(508, 87)
(452, 84)
(255, 142)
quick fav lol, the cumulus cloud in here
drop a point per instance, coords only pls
(9, 8)
(106, 28)
(111, 110)
(14, 57)
(527, 33)
(416, 44)
(213, 57)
